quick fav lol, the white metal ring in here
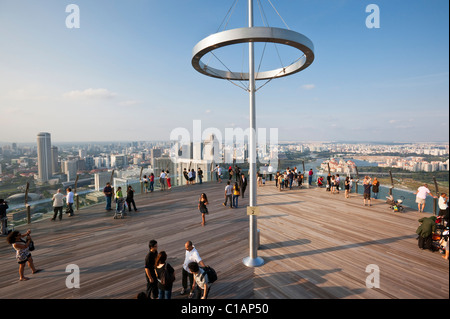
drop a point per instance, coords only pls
(255, 34)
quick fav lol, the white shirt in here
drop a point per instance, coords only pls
(191, 256)
(163, 175)
(442, 203)
(58, 200)
(422, 192)
(69, 197)
(229, 189)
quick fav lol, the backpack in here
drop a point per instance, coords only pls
(211, 273)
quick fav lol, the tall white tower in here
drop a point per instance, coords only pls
(44, 156)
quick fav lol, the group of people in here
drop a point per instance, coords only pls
(164, 181)
(235, 172)
(118, 196)
(149, 183)
(58, 203)
(286, 178)
(190, 176)
(160, 275)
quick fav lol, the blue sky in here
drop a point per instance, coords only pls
(126, 73)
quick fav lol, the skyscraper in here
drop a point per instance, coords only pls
(54, 154)
(44, 156)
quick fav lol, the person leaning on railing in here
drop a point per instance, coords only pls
(443, 204)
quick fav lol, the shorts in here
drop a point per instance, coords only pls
(24, 261)
(420, 200)
(366, 196)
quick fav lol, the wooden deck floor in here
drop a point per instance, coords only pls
(315, 245)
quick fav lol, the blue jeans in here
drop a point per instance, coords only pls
(108, 202)
(152, 186)
(375, 195)
(235, 201)
(164, 294)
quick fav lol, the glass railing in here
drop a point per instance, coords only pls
(407, 196)
(40, 205)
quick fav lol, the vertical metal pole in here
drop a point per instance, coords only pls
(253, 260)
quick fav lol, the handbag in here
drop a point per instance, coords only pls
(31, 246)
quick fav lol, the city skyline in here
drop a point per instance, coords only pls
(125, 74)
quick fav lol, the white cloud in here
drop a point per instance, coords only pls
(90, 94)
(308, 86)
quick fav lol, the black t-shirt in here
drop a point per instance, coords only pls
(150, 263)
(108, 190)
(367, 188)
(375, 186)
(130, 194)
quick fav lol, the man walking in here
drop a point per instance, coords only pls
(191, 255)
(69, 201)
(58, 203)
(228, 194)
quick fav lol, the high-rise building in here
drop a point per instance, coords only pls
(44, 156)
(55, 165)
(70, 168)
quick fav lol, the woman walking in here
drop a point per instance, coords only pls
(165, 275)
(23, 254)
(202, 206)
(236, 193)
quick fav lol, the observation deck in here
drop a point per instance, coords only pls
(315, 245)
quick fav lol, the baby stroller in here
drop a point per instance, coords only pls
(120, 208)
(395, 205)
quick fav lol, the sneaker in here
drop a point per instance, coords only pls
(183, 291)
